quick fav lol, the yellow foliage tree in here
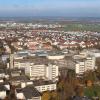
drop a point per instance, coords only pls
(46, 95)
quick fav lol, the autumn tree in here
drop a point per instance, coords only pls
(90, 75)
(54, 95)
(79, 91)
(46, 96)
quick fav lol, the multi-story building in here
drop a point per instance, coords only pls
(22, 64)
(86, 64)
(27, 93)
(52, 72)
(47, 72)
(45, 85)
(90, 63)
(11, 61)
(35, 71)
(80, 67)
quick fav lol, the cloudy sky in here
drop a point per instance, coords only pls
(70, 8)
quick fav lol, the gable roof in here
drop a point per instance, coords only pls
(29, 92)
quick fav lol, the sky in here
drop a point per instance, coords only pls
(65, 8)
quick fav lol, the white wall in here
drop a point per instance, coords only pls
(2, 94)
(43, 88)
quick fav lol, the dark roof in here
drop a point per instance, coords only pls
(42, 82)
(2, 71)
(35, 60)
(29, 92)
(5, 83)
(2, 88)
(80, 98)
(15, 70)
(19, 78)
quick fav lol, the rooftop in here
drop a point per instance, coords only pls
(19, 78)
(42, 82)
(2, 88)
(29, 92)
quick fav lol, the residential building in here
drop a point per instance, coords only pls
(83, 65)
(35, 71)
(2, 73)
(42, 86)
(47, 72)
(17, 80)
(2, 92)
(4, 87)
(52, 72)
(80, 67)
(28, 93)
(90, 63)
(11, 65)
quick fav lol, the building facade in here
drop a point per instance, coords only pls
(47, 72)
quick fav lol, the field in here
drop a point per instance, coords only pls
(82, 27)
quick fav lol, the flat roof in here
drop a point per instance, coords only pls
(42, 82)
